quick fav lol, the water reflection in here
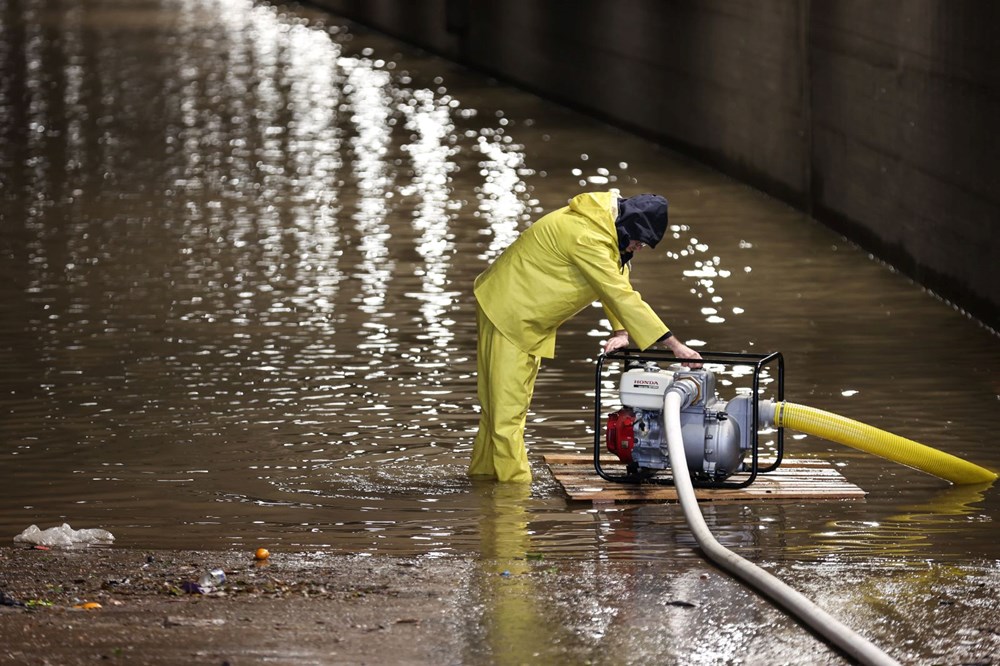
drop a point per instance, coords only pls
(501, 200)
(909, 533)
(516, 630)
(430, 155)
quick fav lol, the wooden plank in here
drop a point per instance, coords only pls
(782, 469)
(609, 461)
(795, 478)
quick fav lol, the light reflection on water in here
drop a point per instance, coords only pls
(238, 254)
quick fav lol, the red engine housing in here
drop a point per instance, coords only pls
(620, 435)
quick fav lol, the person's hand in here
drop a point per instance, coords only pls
(618, 340)
(681, 350)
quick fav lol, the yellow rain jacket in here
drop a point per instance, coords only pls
(561, 264)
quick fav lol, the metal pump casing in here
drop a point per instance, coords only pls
(716, 433)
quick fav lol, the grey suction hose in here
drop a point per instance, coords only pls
(850, 642)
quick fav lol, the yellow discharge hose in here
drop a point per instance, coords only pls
(867, 438)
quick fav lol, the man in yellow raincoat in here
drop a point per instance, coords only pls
(562, 263)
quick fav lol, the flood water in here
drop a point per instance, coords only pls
(237, 250)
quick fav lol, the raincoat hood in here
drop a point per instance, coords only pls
(641, 218)
(600, 208)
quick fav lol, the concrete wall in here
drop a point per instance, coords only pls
(905, 103)
(877, 118)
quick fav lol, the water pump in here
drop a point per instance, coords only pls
(717, 434)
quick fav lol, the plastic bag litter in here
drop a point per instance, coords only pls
(63, 536)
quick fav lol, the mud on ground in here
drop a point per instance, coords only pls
(323, 608)
(287, 610)
(326, 608)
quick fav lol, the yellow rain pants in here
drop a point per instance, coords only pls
(505, 382)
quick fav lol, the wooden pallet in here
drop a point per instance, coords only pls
(799, 478)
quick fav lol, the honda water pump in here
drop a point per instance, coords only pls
(721, 438)
(717, 434)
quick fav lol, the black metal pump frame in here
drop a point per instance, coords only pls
(758, 361)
